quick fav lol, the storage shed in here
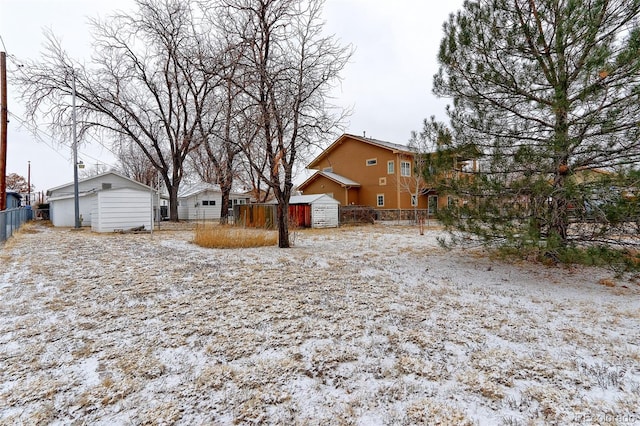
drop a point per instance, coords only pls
(314, 211)
(121, 209)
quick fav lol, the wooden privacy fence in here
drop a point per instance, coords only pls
(255, 215)
(265, 215)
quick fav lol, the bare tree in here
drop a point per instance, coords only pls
(145, 85)
(288, 70)
(135, 165)
(413, 180)
(18, 183)
(217, 160)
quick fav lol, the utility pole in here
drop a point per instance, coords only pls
(76, 198)
(3, 135)
(28, 183)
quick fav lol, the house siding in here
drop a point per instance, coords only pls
(191, 208)
(349, 159)
(323, 185)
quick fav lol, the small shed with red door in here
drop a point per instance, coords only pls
(314, 211)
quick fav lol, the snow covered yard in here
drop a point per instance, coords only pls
(371, 325)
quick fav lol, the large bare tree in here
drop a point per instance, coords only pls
(145, 84)
(289, 68)
(218, 159)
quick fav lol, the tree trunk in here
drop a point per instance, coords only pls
(559, 221)
(225, 188)
(283, 224)
(173, 203)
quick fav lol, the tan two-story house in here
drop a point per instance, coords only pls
(357, 170)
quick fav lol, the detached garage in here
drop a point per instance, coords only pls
(106, 202)
(121, 209)
(314, 211)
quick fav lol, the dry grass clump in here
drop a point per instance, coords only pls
(215, 236)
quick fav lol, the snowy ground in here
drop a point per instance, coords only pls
(366, 325)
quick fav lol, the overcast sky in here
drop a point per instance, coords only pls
(387, 83)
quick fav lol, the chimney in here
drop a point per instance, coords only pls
(364, 133)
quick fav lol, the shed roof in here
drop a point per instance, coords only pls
(311, 198)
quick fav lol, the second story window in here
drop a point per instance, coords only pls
(372, 161)
(405, 168)
(391, 167)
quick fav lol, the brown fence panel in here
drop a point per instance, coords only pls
(255, 215)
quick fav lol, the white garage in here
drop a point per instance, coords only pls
(110, 200)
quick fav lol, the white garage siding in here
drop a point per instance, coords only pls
(62, 211)
(123, 208)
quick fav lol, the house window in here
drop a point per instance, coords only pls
(372, 161)
(380, 200)
(405, 168)
(414, 200)
(208, 202)
(391, 167)
(382, 181)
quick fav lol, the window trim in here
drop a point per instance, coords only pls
(405, 165)
(378, 198)
(391, 167)
(371, 162)
(382, 181)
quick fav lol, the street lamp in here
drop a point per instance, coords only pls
(76, 201)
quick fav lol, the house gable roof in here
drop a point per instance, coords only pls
(394, 147)
(200, 187)
(341, 180)
(197, 188)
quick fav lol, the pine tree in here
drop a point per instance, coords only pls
(547, 92)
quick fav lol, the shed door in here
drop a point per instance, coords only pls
(325, 215)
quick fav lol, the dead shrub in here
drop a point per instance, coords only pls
(217, 236)
(607, 282)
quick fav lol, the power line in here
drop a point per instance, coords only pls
(38, 135)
